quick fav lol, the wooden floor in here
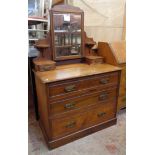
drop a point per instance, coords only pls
(110, 141)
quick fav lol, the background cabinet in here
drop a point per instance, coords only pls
(38, 27)
(38, 22)
(115, 54)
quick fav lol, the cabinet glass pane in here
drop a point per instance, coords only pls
(35, 8)
(67, 34)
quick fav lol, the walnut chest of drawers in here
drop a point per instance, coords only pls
(76, 100)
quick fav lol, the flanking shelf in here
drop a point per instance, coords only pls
(33, 39)
(63, 46)
(38, 30)
(36, 20)
(65, 31)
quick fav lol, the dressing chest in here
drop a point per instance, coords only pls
(75, 99)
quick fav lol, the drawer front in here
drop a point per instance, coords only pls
(64, 126)
(122, 90)
(82, 101)
(43, 68)
(68, 125)
(101, 114)
(70, 86)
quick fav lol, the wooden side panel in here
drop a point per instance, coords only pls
(122, 90)
(118, 49)
(42, 105)
(121, 102)
(105, 51)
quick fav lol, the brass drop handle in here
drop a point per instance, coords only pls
(69, 105)
(103, 96)
(101, 114)
(71, 124)
(104, 81)
(70, 88)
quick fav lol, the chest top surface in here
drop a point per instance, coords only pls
(71, 71)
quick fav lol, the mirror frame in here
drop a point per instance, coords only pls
(66, 9)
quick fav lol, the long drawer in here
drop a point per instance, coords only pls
(68, 125)
(80, 102)
(69, 87)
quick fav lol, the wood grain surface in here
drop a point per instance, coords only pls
(73, 71)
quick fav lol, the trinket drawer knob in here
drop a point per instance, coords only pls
(104, 81)
(47, 68)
